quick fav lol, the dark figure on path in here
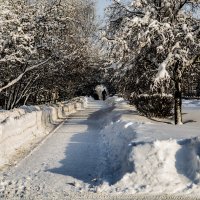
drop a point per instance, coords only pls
(104, 95)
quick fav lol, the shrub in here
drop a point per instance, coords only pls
(155, 105)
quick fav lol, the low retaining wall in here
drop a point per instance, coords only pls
(19, 127)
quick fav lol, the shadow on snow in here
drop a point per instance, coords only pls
(85, 168)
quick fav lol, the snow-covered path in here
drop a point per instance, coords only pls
(68, 159)
(70, 163)
(71, 151)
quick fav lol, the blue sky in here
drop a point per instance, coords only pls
(101, 4)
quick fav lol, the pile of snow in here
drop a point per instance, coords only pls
(171, 166)
(21, 127)
(191, 103)
(116, 148)
(151, 157)
(163, 166)
(116, 100)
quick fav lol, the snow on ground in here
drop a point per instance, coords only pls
(153, 156)
(191, 103)
(23, 128)
(110, 149)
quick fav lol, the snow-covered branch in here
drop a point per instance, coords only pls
(164, 38)
(137, 13)
(14, 81)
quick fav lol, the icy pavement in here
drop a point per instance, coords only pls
(89, 157)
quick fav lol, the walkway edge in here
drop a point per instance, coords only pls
(40, 143)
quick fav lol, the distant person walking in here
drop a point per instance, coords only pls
(104, 94)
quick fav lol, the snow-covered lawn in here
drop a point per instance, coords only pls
(153, 156)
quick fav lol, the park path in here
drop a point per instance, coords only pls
(68, 164)
(68, 159)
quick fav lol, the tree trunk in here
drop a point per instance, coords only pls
(26, 99)
(178, 103)
(11, 91)
(15, 95)
(177, 96)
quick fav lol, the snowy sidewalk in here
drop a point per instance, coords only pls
(69, 160)
(71, 163)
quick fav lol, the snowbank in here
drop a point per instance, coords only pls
(191, 103)
(150, 157)
(21, 126)
(134, 166)
(164, 166)
(115, 100)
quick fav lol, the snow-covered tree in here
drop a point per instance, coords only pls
(161, 35)
(41, 44)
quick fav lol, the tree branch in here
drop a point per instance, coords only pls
(14, 81)
(139, 13)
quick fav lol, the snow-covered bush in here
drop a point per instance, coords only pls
(162, 37)
(154, 105)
